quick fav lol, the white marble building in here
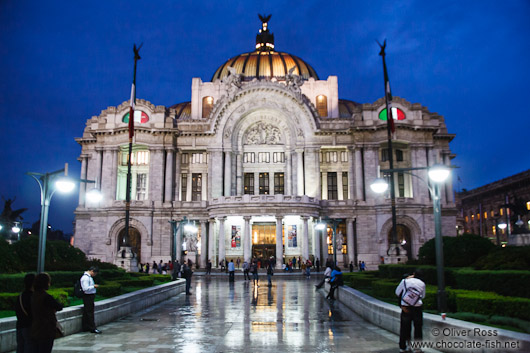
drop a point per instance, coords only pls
(256, 157)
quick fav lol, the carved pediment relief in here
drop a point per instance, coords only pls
(263, 134)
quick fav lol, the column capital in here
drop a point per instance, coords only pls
(247, 218)
(305, 218)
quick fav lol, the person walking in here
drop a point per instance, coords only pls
(238, 262)
(317, 264)
(246, 269)
(254, 270)
(187, 273)
(43, 308)
(89, 294)
(155, 267)
(351, 266)
(293, 262)
(25, 343)
(209, 267)
(178, 268)
(335, 281)
(270, 273)
(231, 271)
(411, 291)
(363, 266)
(147, 267)
(308, 268)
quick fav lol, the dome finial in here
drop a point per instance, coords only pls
(264, 39)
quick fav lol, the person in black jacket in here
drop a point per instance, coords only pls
(43, 309)
(23, 310)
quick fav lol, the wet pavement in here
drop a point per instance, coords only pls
(291, 316)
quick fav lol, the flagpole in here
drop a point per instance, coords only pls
(131, 135)
(390, 129)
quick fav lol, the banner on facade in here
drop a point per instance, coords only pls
(291, 235)
(236, 236)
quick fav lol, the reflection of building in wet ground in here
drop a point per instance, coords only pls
(239, 317)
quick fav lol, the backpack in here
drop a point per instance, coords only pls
(338, 280)
(411, 295)
(78, 289)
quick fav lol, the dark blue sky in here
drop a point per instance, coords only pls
(62, 62)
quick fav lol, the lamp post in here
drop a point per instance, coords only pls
(49, 183)
(176, 225)
(437, 174)
(321, 225)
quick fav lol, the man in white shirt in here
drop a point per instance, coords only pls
(411, 290)
(89, 294)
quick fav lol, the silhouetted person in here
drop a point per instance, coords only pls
(43, 309)
(24, 316)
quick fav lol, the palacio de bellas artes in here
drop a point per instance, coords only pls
(260, 154)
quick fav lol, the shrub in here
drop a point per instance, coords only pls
(508, 258)
(110, 289)
(429, 276)
(111, 274)
(137, 282)
(12, 283)
(461, 251)
(159, 278)
(9, 262)
(8, 300)
(488, 303)
(60, 295)
(385, 289)
(509, 283)
(359, 280)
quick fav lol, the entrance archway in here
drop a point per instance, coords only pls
(134, 242)
(263, 241)
(403, 237)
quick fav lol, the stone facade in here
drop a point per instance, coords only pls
(503, 201)
(255, 162)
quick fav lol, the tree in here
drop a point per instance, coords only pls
(458, 251)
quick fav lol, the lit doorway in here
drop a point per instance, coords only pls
(264, 241)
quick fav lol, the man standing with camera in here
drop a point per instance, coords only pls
(410, 291)
(89, 294)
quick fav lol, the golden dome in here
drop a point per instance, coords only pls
(265, 62)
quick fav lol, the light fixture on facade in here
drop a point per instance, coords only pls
(16, 228)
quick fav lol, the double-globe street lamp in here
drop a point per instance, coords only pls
(437, 174)
(49, 183)
(184, 224)
(322, 225)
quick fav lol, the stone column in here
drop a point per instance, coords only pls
(247, 243)
(204, 244)
(176, 176)
(216, 174)
(349, 239)
(228, 174)
(359, 181)
(351, 173)
(288, 174)
(114, 173)
(211, 241)
(156, 177)
(179, 242)
(371, 157)
(222, 253)
(256, 183)
(340, 193)
(271, 183)
(83, 186)
(279, 243)
(99, 159)
(305, 239)
(324, 185)
(299, 172)
(168, 194)
(316, 241)
(188, 187)
(239, 174)
(324, 235)
(204, 186)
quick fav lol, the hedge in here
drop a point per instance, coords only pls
(137, 282)
(493, 304)
(8, 300)
(359, 280)
(110, 289)
(509, 283)
(429, 275)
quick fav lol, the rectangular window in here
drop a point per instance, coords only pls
(343, 156)
(278, 184)
(142, 157)
(184, 187)
(185, 158)
(196, 187)
(344, 185)
(248, 157)
(332, 186)
(141, 186)
(467, 219)
(485, 215)
(492, 213)
(264, 183)
(334, 156)
(399, 155)
(249, 184)
(263, 157)
(197, 158)
(501, 212)
(384, 155)
(278, 157)
(528, 205)
(401, 184)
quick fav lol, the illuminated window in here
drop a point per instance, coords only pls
(494, 230)
(467, 219)
(478, 216)
(344, 185)
(207, 105)
(322, 105)
(248, 157)
(472, 217)
(485, 215)
(196, 187)
(528, 205)
(501, 212)
(249, 184)
(264, 183)
(492, 213)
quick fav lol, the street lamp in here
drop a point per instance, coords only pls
(437, 174)
(49, 183)
(176, 225)
(322, 225)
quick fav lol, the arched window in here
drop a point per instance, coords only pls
(322, 105)
(207, 105)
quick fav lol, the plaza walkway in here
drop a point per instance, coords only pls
(291, 316)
